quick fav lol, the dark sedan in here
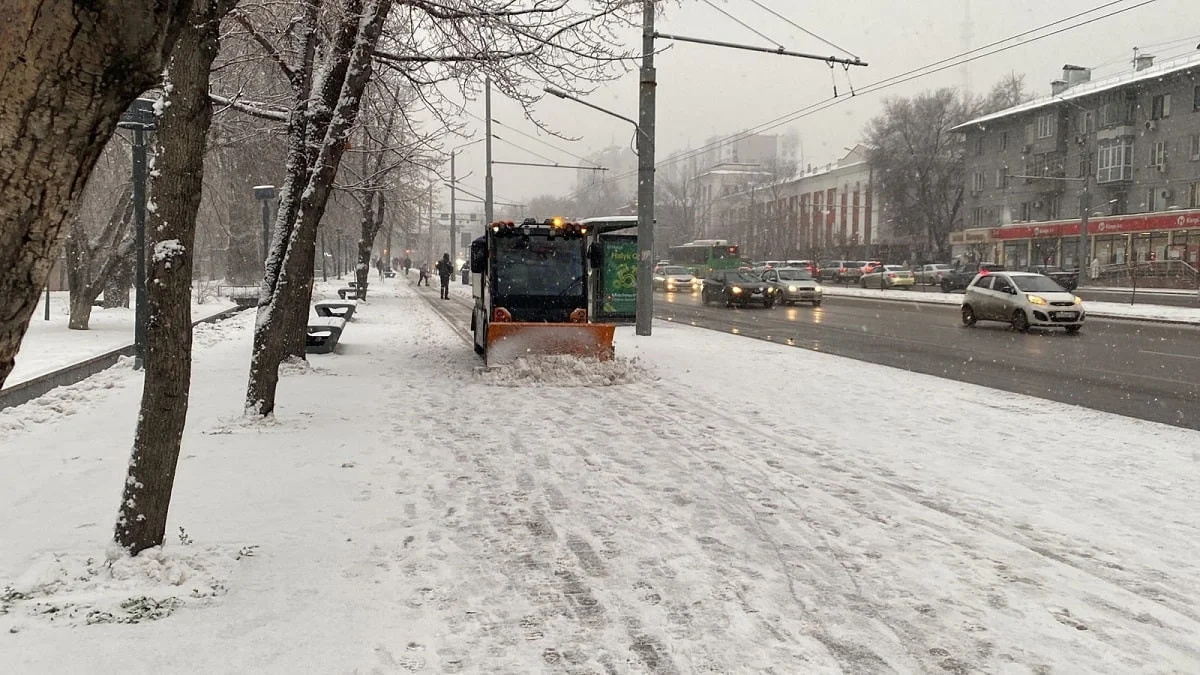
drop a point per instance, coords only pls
(734, 287)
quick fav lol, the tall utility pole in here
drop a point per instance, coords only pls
(429, 242)
(488, 210)
(645, 207)
(453, 214)
(1085, 205)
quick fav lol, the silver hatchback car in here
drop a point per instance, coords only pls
(1023, 299)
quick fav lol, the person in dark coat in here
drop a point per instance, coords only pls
(423, 271)
(444, 269)
(407, 265)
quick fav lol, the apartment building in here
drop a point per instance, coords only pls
(1127, 146)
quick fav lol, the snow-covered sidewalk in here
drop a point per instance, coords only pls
(1114, 310)
(408, 512)
(50, 345)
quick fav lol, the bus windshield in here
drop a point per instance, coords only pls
(538, 266)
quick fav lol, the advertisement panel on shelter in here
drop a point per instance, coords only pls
(618, 278)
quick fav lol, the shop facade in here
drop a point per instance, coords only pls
(1114, 240)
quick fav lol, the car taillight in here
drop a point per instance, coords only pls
(501, 314)
(841, 269)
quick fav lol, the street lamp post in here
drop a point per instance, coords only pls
(140, 118)
(645, 151)
(264, 194)
(488, 209)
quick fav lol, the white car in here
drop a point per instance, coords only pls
(1023, 299)
(794, 285)
(931, 275)
(674, 278)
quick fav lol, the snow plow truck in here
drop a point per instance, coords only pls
(529, 283)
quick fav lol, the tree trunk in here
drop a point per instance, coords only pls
(182, 128)
(287, 287)
(70, 69)
(81, 310)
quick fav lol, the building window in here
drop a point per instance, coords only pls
(1156, 199)
(1004, 135)
(1085, 164)
(977, 216)
(1195, 147)
(1087, 122)
(1158, 155)
(1160, 107)
(1194, 196)
(1196, 97)
(1002, 178)
(1054, 207)
(1046, 125)
(1118, 110)
(1025, 212)
(1114, 160)
(979, 145)
(977, 183)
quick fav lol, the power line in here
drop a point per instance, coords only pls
(901, 78)
(532, 138)
(505, 140)
(548, 145)
(741, 23)
(803, 29)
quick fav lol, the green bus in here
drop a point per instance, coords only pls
(705, 255)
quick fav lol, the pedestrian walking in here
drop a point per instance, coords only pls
(423, 274)
(444, 269)
(407, 265)
(379, 266)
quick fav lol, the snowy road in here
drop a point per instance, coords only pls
(413, 515)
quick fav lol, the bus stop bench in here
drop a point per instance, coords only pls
(323, 334)
(350, 290)
(336, 308)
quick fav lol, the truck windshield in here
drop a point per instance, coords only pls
(538, 266)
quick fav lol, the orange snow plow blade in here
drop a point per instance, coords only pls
(506, 340)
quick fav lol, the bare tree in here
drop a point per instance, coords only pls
(918, 162)
(70, 69)
(94, 263)
(183, 123)
(430, 43)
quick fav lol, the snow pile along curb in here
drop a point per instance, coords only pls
(564, 371)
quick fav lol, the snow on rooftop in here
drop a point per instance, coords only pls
(1162, 69)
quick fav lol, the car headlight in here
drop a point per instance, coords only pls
(1078, 300)
(791, 289)
(770, 291)
(818, 289)
(1036, 299)
(735, 290)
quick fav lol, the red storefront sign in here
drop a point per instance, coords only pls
(1145, 223)
(1106, 225)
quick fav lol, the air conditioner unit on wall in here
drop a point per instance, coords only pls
(1167, 194)
(1027, 149)
(1151, 125)
(1037, 204)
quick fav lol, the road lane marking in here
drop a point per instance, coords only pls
(1178, 356)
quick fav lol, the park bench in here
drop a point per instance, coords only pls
(244, 297)
(336, 308)
(350, 290)
(323, 334)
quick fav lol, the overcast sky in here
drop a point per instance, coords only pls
(705, 91)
